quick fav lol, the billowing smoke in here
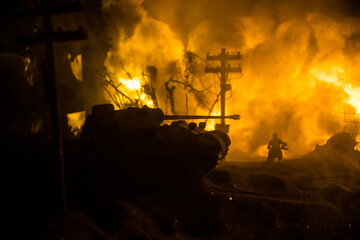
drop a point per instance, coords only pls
(300, 61)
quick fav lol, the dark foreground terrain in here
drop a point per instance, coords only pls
(295, 199)
(314, 197)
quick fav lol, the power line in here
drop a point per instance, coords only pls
(224, 70)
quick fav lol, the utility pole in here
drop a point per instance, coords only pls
(47, 36)
(224, 70)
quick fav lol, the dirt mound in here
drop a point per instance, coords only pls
(339, 148)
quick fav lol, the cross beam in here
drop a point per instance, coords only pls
(59, 36)
(224, 69)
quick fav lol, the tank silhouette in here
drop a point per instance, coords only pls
(133, 151)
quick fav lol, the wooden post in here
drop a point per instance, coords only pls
(224, 70)
(47, 38)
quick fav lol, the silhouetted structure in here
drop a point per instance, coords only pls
(48, 37)
(339, 148)
(128, 154)
(224, 70)
(139, 153)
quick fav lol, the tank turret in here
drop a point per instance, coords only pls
(105, 120)
(134, 149)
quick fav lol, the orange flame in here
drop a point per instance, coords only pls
(298, 75)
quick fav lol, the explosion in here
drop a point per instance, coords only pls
(300, 66)
(335, 76)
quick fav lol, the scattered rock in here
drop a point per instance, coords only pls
(264, 183)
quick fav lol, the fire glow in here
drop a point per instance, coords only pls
(300, 74)
(337, 77)
(131, 84)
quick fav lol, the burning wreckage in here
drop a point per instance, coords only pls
(135, 151)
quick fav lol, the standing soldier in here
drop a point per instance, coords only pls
(275, 146)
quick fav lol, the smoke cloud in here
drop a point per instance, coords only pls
(300, 61)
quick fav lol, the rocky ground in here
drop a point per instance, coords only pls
(314, 197)
(295, 199)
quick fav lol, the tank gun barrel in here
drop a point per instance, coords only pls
(178, 117)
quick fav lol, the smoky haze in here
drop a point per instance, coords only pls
(299, 61)
(184, 15)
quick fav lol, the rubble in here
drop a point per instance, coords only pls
(338, 148)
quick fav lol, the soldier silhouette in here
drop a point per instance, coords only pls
(275, 146)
